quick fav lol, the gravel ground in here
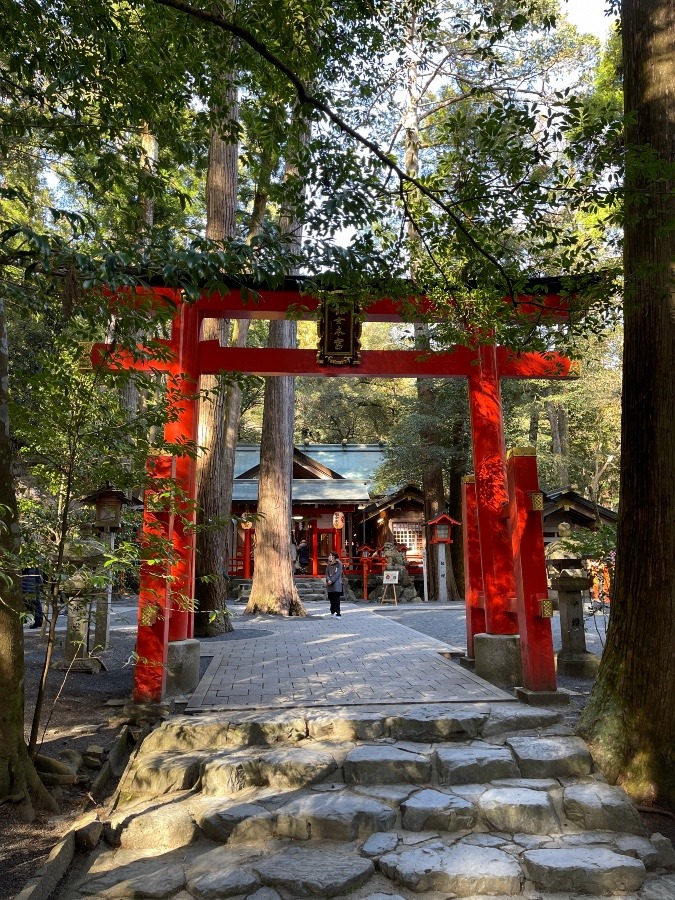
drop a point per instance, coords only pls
(81, 717)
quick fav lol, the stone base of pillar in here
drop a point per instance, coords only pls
(578, 665)
(467, 662)
(182, 667)
(498, 659)
(542, 698)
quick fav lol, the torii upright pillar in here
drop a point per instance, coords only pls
(497, 650)
(164, 644)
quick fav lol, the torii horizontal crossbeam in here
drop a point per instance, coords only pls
(459, 362)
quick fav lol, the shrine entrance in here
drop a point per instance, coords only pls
(506, 586)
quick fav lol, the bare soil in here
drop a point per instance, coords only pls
(74, 721)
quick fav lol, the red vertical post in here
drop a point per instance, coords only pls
(527, 541)
(473, 573)
(489, 459)
(153, 598)
(315, 550)
(364, 562)
(248, 569)
(184, 399)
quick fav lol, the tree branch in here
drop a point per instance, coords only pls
(306, 98)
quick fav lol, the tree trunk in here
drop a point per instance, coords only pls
(557, 417)
(630, 718)
(18, 779)
(273, 589)
(214, 486)
(432, 482)
(240, 331)
(432, 473)
(460, 467)
(533, 431)
(131, 398)
(149, 158)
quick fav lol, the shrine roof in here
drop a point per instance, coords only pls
(356, 462)
(570, 501)
(308, 490)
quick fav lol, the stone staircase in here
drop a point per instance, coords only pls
(449, 800)
(309, 588)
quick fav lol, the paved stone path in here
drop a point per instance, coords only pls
(362, 658)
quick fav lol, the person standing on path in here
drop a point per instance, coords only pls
(334, 583)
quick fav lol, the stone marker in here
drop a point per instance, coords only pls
(573, 658)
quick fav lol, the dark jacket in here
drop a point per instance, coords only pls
(32, 581)
(334, 577)
(303, 554)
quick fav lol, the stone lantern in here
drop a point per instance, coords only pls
(107, 502)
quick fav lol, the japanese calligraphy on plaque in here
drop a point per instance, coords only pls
(339, 335)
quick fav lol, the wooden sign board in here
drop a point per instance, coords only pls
(390, 576)
(339, 335)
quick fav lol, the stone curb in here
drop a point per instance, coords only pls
(126, 775)
(46, 879)
(113, 760)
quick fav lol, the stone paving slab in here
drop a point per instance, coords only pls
(362, 658)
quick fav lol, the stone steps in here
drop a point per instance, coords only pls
(310, 590)
(440, 801)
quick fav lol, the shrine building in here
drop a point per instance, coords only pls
(335, 483)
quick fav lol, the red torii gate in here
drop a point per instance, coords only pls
(497, 601)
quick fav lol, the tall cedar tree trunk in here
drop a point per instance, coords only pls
(240, 331)
(432, 482)
(131, 397)
(432, 474)
(273, 589)
(460, 466)
(557, 417)
(214, 488)
(19, 781)
(630, 718)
